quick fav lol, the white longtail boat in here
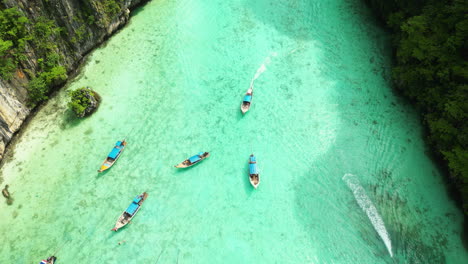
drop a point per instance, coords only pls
(247, 101)
(254, 176)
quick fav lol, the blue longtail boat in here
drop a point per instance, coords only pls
(193, 160)
(131, 211)
(113, 155)
(245, 106)
(254, 176)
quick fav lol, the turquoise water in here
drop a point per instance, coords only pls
(344, 175)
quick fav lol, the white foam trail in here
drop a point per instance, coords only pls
(262, 68)
(259, 72)
(368, 207)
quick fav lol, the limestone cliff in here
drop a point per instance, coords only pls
(83, 25)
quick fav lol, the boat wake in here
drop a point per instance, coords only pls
(262, 68)
(368, 207)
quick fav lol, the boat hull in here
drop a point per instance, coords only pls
(105, 166)
(254, 180)
(254, 176)
(107, 163)
(245, 106)
(50, 260)
(186, 163)
(125, 218)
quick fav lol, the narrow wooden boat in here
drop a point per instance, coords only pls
(49, 260)
(113, 155)
(254, 176)
(131, 211)
(193, 160)
(245, 106)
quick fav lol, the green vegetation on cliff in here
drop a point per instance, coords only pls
(30, 45)
(430, 41)
(13, 38)
(16, 40)
(111, 7)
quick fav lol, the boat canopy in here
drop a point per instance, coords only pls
(253, 165)
(253, 168)
(132, 208)
(248, 98)
(137, 199)
(114, 153)
(118, 143)
(195, 158)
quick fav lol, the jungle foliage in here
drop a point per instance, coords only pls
(431, 69)
(18, 36)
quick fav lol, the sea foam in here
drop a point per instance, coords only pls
(262, 68)
(368, 207)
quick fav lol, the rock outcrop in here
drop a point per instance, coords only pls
(84, 101)
(13, 110)
(84, 25)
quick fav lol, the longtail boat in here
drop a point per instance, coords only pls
(49, 260)
(131, 211)
(193, 160)
(245, 106)
(113, 155)
(254, 176)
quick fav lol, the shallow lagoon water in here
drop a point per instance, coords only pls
(172, 82)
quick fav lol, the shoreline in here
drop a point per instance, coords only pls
(163, 92)
(440, 127)
(72, 75)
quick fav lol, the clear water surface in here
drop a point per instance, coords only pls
(344, 174)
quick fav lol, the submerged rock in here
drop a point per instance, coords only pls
(5, 192)
(7, 195)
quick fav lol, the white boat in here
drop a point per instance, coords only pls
(254, 176)
(247, 101)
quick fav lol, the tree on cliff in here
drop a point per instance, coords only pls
(14, 40)
(430, 40)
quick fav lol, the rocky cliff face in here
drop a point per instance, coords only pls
(84, 24)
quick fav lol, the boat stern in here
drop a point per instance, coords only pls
(103, 168)
(244, 109)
